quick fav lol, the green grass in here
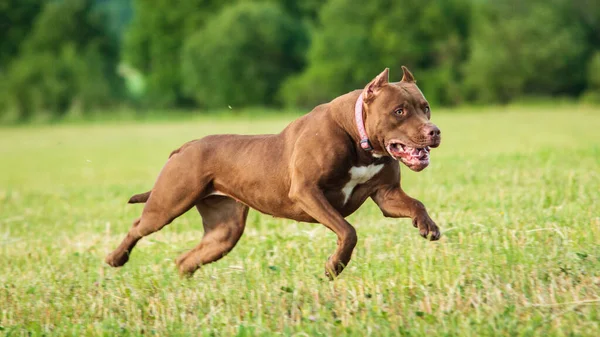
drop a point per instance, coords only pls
(516, 193)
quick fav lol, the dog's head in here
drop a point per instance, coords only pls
(398, 120)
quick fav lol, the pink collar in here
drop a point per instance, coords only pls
(358, 116)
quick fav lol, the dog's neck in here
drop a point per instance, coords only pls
(365, 144)
(345, 117)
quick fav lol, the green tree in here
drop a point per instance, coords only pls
(67, 60)
(16, 20)
(154, 40)
(354, 42)
(589, 16)
(118, 16)
(306, 10)
(588, 12)
(242, 55)
(521, 48)
(592, 94)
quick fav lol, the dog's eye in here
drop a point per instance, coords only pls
(399, 112)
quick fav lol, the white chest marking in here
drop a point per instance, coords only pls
(359, 175)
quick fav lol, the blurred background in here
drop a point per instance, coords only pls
(63, 58)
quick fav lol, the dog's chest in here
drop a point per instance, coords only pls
(359, 175)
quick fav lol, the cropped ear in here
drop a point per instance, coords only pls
(373, 88)
(407, 76)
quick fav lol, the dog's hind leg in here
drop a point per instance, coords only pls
(177, 189)
(224, 221)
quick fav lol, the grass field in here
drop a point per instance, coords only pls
(516, 192)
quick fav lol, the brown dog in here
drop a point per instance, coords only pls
(321, 168)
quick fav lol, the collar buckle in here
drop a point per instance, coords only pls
(366, 145)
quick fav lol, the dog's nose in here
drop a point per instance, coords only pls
(432, 131)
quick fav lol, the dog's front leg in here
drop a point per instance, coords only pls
(394, 203)
(312, 201)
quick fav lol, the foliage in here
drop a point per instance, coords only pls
(306, 10)
(67, 61)
(356, 42)
(242, 55)
(588, 15)
(297, 53)
(594, 71)
(154, 41)
(16, 18)
(592, 94)
(526, 48)
(118, 16)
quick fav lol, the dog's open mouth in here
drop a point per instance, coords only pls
(416, 158)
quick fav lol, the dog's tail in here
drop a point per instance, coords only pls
(139, 198)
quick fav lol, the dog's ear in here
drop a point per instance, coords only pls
(407, 76)
(372, 89)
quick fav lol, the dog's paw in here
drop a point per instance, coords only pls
(333, 269)
(185, 267)
(187, 271)
(427, 228)
(117, 259)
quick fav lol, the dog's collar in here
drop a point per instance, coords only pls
(365, 144)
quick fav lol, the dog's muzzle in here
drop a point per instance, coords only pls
(416, 158)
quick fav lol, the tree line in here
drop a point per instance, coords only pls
(64, 56)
